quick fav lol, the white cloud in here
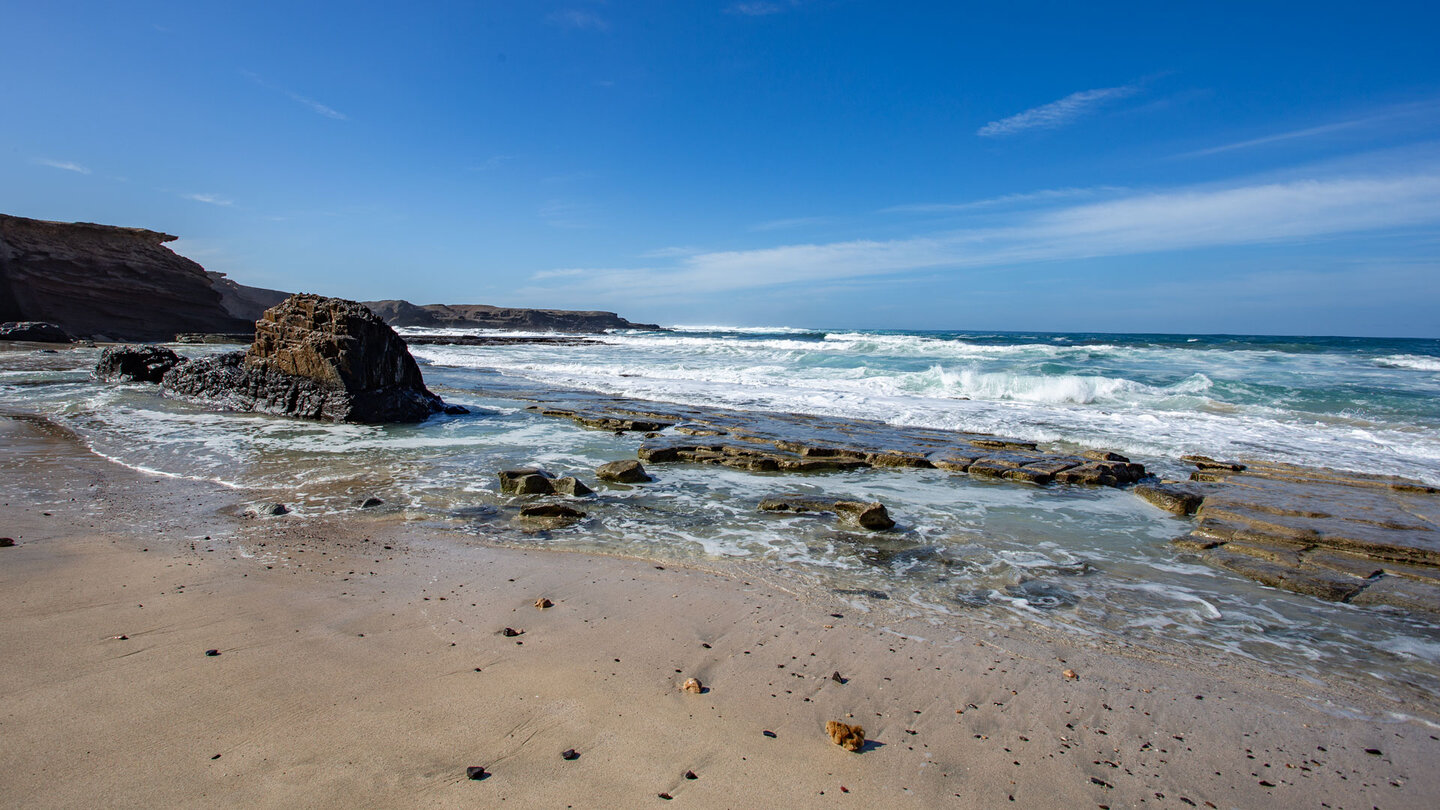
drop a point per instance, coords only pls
(755, 9)
(1043, 195)
(315, 106)
(1389, 115)
(62, 164)
(577, 18)
(1056, 113)
(1188, 218)
(784, 224)
(209, 199)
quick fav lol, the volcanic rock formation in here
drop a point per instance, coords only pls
(315, 358)
(480, 316)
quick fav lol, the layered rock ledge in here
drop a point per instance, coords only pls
(314, 358)
(483, 316)
(1347, 537)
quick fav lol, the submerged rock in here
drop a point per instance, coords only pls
(314, 358)
(1181, 499)
(572, 486)
(554, 515)
(872, 515)
(136, 363)
(529, 481)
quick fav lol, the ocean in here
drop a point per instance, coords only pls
(1091, 563)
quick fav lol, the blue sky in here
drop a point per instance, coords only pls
(1217, 167)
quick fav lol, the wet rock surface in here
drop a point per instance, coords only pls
(872, 515)
(625, 471)
(33, 331)
(1346, 537)
(136, 363)
(315, 358)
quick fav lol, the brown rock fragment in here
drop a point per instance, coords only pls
(693, 686)
(543, 603)
(851, 738)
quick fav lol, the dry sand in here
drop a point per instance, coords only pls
(362, 663)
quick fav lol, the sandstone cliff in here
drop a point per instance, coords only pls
(480, 316)
(120, 283)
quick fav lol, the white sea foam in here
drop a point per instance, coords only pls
(1409, 361)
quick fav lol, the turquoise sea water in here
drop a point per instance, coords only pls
(1088, 562)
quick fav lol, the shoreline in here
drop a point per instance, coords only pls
(348, 671)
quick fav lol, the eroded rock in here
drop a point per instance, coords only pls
(872, 515)
(33, 331)
(626, 471)
(136, 363)
(314, 358)
(527, 481)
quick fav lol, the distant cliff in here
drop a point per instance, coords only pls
(102, 280)
(480, 316)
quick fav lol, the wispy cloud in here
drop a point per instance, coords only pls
(565, 214)
(1182, 219)
(1391, 115)
(578, 18)
(785, 224)
(1056, 113)
(208, 199)
(61, 164)
(754, 9)
(315, 106)
(1041, 196)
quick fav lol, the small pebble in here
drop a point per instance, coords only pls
(837, 678)
(666, 796)
(569, 753)
(1070, 675)
(212, 653)
(543, 603)
(693, 686)
(475, 772)
(768, 733)
(691, 775)
(511, 632)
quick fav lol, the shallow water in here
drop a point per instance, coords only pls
(1090, 562)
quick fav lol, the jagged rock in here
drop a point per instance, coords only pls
(572, 486)
(314, 358)
(627, 471)
(136, 363)
(7, 542)
(91, 279)
(873, 515)
(33, 331)
(480, 316)
(526, 482)
(851, 738)
(213, 338)
(1177, 498)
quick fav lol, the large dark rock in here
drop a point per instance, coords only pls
(136, 363)
(103, 280)
(315, 358)
(868, 515)
(36, 331)
(481, 316)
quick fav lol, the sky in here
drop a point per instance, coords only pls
(1244, 168)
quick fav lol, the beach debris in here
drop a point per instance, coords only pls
(526, 481)
(370, 503)
(768, 733)
(121, 637)
(1070, 675)
(838, 678)
(867, 515)
(7, 542)
(693, 686)
(666, 796)
(543, 603)
(691, 775)
(569, 754)
(572, 486)
(626, 471)
(851, 738)
(212, 653)
(511, 632)
(476, 773)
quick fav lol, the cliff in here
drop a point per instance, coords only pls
(480, 316)
(120, 283)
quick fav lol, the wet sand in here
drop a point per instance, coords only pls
(362, 661)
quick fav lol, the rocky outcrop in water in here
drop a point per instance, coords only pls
(34, 331)
(314, 358)
(481, 316)
(1347, 537)
(136, 363)
(105, 281)
(867, 515)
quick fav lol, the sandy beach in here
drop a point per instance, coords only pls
(363, 661)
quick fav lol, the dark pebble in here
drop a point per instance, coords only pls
(7, 542)
(837, 678)
(666, 796)
(706, 646)
(1374, 752)
(212, 653)
(217, 756)
(1101, 782)
(475, 772)
(691, 775)
(768, 733)
(569, 753)
(511, 632)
